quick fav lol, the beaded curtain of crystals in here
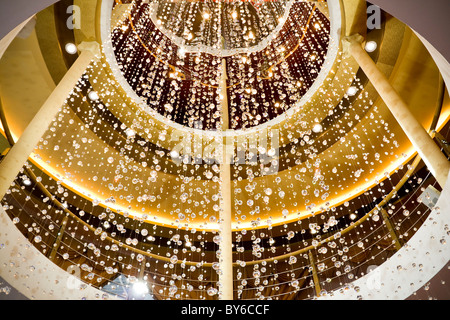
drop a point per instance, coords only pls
(230, 65)
(242, 190)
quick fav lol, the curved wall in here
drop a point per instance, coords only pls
(35, 276)
(430, 21)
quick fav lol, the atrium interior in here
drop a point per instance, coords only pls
(222, 150)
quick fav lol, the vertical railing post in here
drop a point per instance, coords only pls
(59, 237)
(390, 227)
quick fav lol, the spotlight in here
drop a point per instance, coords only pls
(71, 48)
(174, 154)
(93, 95)
(272, 152)
(26, 182)
(130, 133)
(371, 46)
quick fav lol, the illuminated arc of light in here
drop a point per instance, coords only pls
(183, 76)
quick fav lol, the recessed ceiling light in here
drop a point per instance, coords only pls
(27, 182)
(71, 48)
(353, 216)
(272, 152)
(371, 46)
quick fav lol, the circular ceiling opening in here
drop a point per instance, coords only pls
(183, 85)
(221, 28)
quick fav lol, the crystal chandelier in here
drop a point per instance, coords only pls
(221, 28)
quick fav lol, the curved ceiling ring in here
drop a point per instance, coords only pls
(432, 23)
(260, 47)
(335, 8)
(340, 200)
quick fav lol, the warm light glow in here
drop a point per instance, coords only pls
(130, 133)
(317, 128)
(93, 95)
(135, 159)
(71, 48)
(140, 288)
(371, 46)
(352, 91)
